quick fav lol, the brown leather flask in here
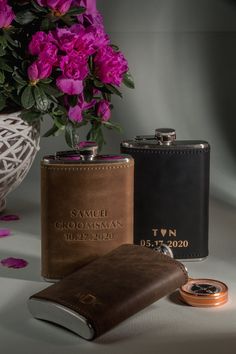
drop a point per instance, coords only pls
(111, 289)
(86, 208)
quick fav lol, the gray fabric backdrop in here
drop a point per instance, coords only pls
(182, 54)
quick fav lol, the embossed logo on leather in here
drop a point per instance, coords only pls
(87, 299)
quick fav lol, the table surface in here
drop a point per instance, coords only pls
(164, 327)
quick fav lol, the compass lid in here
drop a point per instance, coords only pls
(204, 293)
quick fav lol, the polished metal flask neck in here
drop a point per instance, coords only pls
(163, 139)
(87, 150)
(163, 136)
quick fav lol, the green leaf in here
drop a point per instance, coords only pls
(15, 54)
(59, 123)
(72, 100)
(90, 117)
(15, 99)
(114, 90)
(19, 88)
(25, 64)
(76, 11)
(98, 83)
(50, 90)
(106, 96)
(18, 78)
(3, 45)
(25, 17)
(37, 7)
(88, 91)
(2, 102)
(112, 125)
(115, 47)
(51, 132)
(4, 66)
(129, 81)
(46, 81)
(68, 20)
(13, 42)
(30, 117)
(2, 51)
(27, 98)
(96, 134)
(42, 102)
(8, 88)
(3, 41)
(59, 110)
(2, 77)
(45, 24)
(69, 134)
(91, 64)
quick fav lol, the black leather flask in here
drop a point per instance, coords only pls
(171, 199)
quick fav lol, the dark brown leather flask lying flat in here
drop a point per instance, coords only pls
(107, 291)
(86, 208)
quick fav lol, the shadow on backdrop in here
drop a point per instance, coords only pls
(221, 57)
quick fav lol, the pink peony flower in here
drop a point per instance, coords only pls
(91, 15)
(39, 70)
(70, 86)
(104, 110)
(110, 66)
(74, 70)
(74, 66)
(49, 54)
(89, 39)
(85, 40)
(60, 7)
(90, 6)
(66, 39)
(43, 45)
(76, 113)
(100, 38)
(39, 41)
(6, 14)
(95, 20)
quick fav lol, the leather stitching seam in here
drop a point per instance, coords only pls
(85, 168)
(168, 152)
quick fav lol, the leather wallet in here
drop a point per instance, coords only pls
(86, 208)
(104, 293)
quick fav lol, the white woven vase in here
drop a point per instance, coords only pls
(19, 143)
